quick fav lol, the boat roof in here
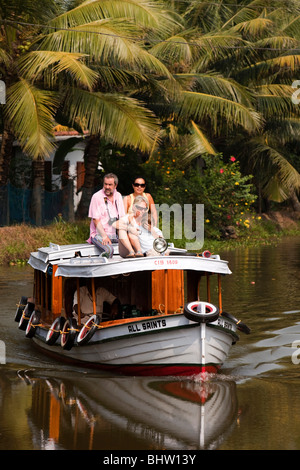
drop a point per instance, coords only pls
(84, 260)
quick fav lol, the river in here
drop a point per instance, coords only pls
(253, 404)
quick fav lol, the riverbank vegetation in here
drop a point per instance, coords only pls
(17, 242)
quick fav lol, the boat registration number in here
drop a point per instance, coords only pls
(165, 262)
(225, 324)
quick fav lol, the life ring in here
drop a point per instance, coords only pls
(26, 314)
(201, 312)
(88, 329)
(55, 330)
(33, 321)
(21, 306)
(240, 325)
(68, 334)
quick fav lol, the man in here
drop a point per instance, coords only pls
(105, 303)
(105, 208)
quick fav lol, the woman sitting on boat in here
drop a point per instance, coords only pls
(136, 235)
(139, 186)
(148, 233)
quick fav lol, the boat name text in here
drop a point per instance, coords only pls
(147, 325)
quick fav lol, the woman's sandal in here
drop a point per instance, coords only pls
(139, 254)
(130, 255)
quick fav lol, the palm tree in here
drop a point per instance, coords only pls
(80, 69)
(26, 105)
(235, 65)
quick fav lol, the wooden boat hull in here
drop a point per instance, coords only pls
(154, 346)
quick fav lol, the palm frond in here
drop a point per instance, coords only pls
(254, 28)
(293, 28)
(216, 84)
(30, 112)
(217, 110)
(120, 119)
(280, 170)
(240, 16)
(176, 49)
(33, 64)
(196, 144)
(151, 16)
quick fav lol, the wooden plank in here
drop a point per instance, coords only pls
(56, 294)
(167, 290)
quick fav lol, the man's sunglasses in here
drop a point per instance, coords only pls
(136, 185)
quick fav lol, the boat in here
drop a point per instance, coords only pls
(169, 323)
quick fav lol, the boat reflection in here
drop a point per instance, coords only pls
(120, 413)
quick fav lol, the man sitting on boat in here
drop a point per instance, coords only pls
(105, 208)
(106, 303)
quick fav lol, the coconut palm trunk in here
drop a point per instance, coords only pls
(91, 155)
(5, 155)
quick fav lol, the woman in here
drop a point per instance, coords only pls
(129, 228)
(139, 186)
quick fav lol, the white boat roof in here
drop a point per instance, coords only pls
(83, 260)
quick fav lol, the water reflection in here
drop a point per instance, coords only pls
(95, 412)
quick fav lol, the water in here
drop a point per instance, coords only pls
(253, 404)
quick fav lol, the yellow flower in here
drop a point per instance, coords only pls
(236, 183)
(207, 221)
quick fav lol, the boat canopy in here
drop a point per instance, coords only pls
(83, 260)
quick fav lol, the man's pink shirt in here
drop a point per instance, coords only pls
(99, 210)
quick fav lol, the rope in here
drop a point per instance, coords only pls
(34, 326)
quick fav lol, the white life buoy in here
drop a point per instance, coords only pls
(88, 329)
(201, 312)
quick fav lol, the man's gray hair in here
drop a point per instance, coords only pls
(112, 175)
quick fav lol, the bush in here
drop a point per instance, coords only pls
(226, 194)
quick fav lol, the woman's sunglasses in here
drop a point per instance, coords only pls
(140, 208)
(136, 185)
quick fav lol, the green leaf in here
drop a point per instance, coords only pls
(30, 113)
